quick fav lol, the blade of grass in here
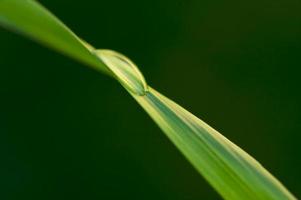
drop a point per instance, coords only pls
(33, 20)
(230, 170)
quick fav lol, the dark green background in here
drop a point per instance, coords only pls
(68, 132)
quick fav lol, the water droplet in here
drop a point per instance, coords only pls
(125, 71)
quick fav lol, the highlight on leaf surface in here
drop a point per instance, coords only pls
(232, 172)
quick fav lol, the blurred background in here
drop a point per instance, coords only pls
(68, 132)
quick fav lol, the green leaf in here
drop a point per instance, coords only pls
(230, 170)
(31, 19)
